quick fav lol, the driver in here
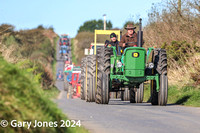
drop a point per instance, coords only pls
(114, 42)
(130, 36)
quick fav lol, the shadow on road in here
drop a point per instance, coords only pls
(183, 99)
(127, 103)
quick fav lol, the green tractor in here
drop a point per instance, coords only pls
(128, 72)
(105, 71)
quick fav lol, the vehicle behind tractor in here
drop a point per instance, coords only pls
(74, 86)
(88, 67)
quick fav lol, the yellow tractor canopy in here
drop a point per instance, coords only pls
(104, 32)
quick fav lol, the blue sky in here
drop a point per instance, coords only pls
(67, 15)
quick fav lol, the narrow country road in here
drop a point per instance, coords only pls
(124, 117)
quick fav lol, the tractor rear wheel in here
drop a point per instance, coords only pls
(113, 95)
(103, 76)
(139, 93)
(132, 95)
(125, 95)
(83, 78)
(160, 62)
(122, 95)
(91, 78)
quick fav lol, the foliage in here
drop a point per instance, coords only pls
(177, 30)
(35, 45)
(179, 51)
(90, 26)
(6, 28)
(167, 24)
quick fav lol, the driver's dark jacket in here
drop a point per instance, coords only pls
(125, 39)
(116, 44)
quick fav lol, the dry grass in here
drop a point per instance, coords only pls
(167, 24)
(170, 25)
(185, 74)
(7, 53)
(82, 41)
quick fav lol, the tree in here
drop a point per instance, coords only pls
(94, 24)
(108, 25)
(41, 27)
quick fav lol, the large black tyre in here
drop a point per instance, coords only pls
(132, 95)
(160, 62)
(139, 94)
(91, 78)
(113, 95)
(83, 78)
(122, 95)
(103, 58)
(125, 95)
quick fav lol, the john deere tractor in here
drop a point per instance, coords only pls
(130, 70)
(105, 72)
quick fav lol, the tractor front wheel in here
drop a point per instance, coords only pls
(163, 93)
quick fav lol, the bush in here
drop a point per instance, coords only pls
(35, 45)
(179, 51)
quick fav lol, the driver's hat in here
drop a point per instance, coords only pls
(113, 35)
(130, 26)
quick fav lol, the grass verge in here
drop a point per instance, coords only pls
(23, 99)
(186, 95)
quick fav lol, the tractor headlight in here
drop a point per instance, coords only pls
(151, 65)
(119, 64)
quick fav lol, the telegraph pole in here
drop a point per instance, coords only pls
(104, 21)
(179, 7)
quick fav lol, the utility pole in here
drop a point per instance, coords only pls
(179, 7)
(104, 21)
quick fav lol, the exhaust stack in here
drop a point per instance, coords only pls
(140, 34)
